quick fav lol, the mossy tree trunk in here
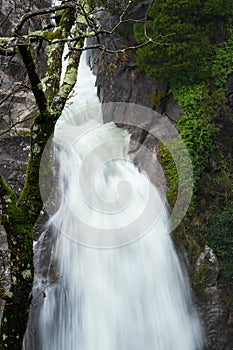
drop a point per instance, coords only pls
(19, 215)
(19, 230)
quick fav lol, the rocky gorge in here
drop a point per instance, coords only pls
(129, 84)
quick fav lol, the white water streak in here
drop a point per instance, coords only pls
(133, 297)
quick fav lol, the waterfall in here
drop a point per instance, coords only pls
(115, 281)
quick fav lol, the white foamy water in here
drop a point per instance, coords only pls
(119, 283)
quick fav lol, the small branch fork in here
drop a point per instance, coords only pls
(41, 12)
(85, 19)
(8, 45)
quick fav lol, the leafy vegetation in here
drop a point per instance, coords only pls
(219, 236)
(195, 60)
(184, 32)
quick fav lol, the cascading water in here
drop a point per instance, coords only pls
(119, 284)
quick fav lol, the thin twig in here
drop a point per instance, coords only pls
(6, 18)
(43, 11)
(127, 48)
(42, 293)
(12, 93)
(13, 125)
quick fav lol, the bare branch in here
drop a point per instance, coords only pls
(6, 18)
(7, 51)
(44, 11)
(91, 22)
(43, 292)
(7, 196)
(14, 92)
(35, 81)
(6, 47)
(15, 124)
(103, 48)
(121, 19)
(145, 23)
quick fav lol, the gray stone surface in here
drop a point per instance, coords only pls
(3, 239)
(17, 104)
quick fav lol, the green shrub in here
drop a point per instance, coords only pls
(184, 32)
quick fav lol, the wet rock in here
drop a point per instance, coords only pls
(215, 319)
(209, 258)
(14, 154)
(3, 239)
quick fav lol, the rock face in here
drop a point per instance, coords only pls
(118, 78)
(13, 160)
(129, 87)
(215, 318)
(17, 104)
(214, 315)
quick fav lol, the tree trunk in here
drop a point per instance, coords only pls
(18, 299)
